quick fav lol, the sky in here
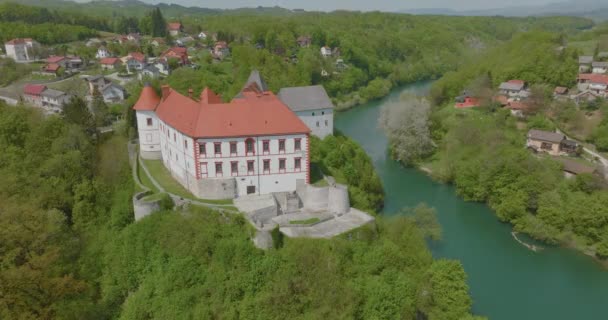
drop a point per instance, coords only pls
(363, 5)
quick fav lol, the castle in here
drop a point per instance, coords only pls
(252, 145)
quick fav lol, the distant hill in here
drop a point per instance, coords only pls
(139, 8)
(595, 9)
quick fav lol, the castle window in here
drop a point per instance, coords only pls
(266, 165)
(250, 167)
(297, 144)
(217, 148)
(322, 112)
(186, 144)
(234, 168)
(266, 146)
(297, 164)
(202, 150)
(233, 148)
(149, 122)
(317, 123)
(249, 147)
(326, 123)
(218, 169)
(282, 165)
(282, 145)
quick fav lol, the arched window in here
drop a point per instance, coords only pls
(250, 146)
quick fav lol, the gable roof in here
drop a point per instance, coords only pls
(253, 115)
(138, 56)
(546, 136)
(306, 98)
(576, 167)
(52, 93)
(255, 83)
(148, 99)
(175, 26)
(594, 78)
(599, 64)
(52, 67)
(55, 59)
(515, 85)
(33, 89)
(585, 59)
(109, 61)
(560, 90)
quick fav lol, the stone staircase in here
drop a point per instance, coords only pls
(293, 203)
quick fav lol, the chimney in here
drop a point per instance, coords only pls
(165, 91)
(190, 93)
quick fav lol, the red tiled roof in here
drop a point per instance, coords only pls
(252, 115)
(52, 67)
(175, 26)
(138, 56)
(176, 52)
(515, 81)
(54, 59)
(33, 89)
(109, 60)
(594, 78)
(16, 41)
(148, 100)
(517, 105)
(469, 102)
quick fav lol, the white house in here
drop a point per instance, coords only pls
(202, 35)
(313, 107)
(326, 51)
(110, 91)
(584, 63)
(514, 89)
(102, 52)
(136, 62)
(599, 67)
(597, 84)
(150, 72)
(217, 150)
(175, 28)
(21, 50)
(54, 100)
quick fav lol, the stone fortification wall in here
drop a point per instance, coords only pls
(144, 208)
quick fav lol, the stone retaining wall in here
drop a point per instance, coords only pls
(144, 208)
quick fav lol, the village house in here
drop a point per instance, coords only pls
(326, 51)
(110, 91)
(597, 84)
(54, 100)
(466, 101)
(599, 67)
(134, 37)
(175, 28)
(32, 94)
(252, 145)
(69, 63)
(202, 35)
(150, 72)
(584, 63)
(51, 69)
(552, 143)
(515, 89)
(517, 108)
(221, 50)
(157, 42)
(136, 62)
(573, 168)
(162, 66)
(179, 53)
(304, 41)
(22, 50)
(110, 63)
(102, 52)
(182, 42)
(560, 93)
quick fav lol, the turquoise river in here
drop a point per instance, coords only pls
(507, 281)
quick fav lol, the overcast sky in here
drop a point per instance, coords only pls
(364, 5)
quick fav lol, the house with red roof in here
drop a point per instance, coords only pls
(136, 62)
(32, 94)
(175, 28)
(252, 145)
(596, 84)
(179, 53)
(221, 50)
(21, 50)
(51, 69)
(110, 63)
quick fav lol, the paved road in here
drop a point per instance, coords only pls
(602, 159)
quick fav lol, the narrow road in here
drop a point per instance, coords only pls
(603, 161)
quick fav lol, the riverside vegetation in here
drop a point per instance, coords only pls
(482, 150)
(70, 248)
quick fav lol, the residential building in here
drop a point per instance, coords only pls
(313, 106)
(251, 145)
(573, 168)
(179, 53)
(134, 37)
(54, 99)
(552, 143)
(202, 35)
(110, 63)
(150, 72)
(175, 28)
(182, 42)
(466, 101)
(595, 83)
(102, 52)
(32, 94)
(51, 69)
(110, 91)
(560, 92)
(69, 63)
(221, 50)
(304, 41)
(157, 42)
(162, 66)
(514, 89)
(136, 62)
(21, 50)
(326, 51)
(584, 63)
(599, 67)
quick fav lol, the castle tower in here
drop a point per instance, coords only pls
(148, 124)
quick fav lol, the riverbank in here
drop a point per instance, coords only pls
(472, 234)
